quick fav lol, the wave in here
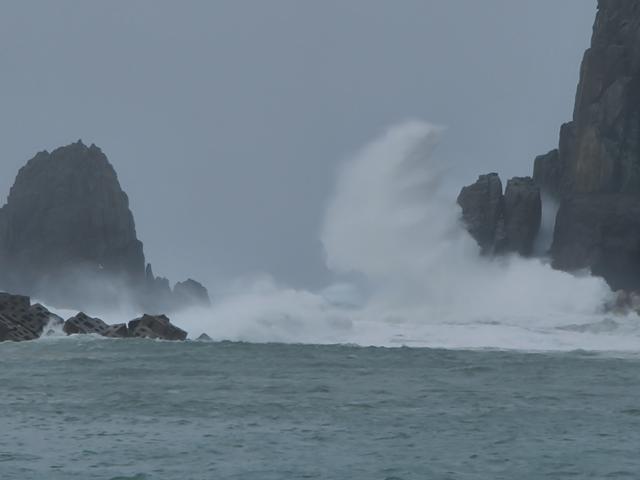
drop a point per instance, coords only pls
(408, 273)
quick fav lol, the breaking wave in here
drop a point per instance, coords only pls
(409, 274)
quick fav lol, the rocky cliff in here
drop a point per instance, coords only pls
(599, 150)
(594, 173)
(67, 235)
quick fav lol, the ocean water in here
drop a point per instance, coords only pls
(89, 408)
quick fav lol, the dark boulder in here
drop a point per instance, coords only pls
(157, 327)
(600, 232)
(522, 215)
(21, 321)
(84, 324)
(483, 211)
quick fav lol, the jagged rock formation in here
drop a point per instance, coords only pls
(595, 172)
(66, 220)
(502, 223)
(21, 321)
(599, 149)
(67, 235)
(84, 324)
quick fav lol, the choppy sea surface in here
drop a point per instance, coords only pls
(87, 408)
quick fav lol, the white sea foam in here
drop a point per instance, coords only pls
(419, 278)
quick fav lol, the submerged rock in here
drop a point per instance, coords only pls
(155, 326)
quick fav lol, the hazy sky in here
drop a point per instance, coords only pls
(226, 119)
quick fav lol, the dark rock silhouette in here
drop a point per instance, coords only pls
(67, 220)
(67, 235)
(595, 171)
(84, 324)
(502, 223)
(20, 321)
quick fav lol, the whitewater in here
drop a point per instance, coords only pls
(408, 274)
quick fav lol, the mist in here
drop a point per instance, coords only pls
(408, 273)
(227, 121)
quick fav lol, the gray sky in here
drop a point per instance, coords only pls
(226, 119)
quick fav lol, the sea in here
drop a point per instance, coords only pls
(84, 407)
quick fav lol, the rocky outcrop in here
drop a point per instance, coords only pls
(20, 321)
(67, 220)
(84, 324)
(155, 326)
(599, 149)
(595, 172)
(483, 211)
(502, 223)
(67, 235)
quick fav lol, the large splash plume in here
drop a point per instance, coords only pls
(407, 273)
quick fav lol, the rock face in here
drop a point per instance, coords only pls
(68, 236)
(66, 216)
(483, 211)
(599, 149)
(595, 172)
(502, 223)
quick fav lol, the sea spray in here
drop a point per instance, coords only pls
(408, 273)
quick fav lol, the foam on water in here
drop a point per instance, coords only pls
(420, 279)
(411, 275)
